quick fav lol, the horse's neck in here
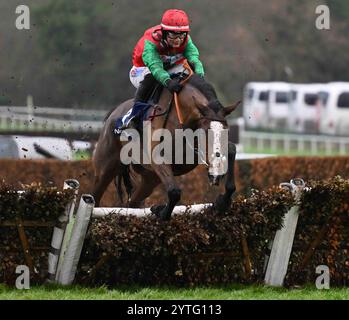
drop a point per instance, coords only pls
(187, 100)
(166, 102)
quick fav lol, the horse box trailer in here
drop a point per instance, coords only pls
(304, 108)
(278, 105)
(255, 104)
(334, 106)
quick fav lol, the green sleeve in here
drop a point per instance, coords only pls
(191, 52)
(152, 60)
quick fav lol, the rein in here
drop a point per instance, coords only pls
(179, 113)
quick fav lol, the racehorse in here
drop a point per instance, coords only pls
(196, 107)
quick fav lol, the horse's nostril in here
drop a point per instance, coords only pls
(218, 154)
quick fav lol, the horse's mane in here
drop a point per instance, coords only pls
(207, 90)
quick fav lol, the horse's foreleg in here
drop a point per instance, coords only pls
(165, 174)
(223, 201)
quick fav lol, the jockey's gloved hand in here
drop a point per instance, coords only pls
(173, 85)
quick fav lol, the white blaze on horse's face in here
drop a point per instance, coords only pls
(217, 151)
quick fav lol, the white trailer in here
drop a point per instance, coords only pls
(334, 106)
(255, 104)
(278, 105)
(304, 108)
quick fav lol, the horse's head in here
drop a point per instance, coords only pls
(204, 111)
(217, 147)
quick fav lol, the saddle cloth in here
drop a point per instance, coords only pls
(139, 110)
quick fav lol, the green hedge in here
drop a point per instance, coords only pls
(204, 248)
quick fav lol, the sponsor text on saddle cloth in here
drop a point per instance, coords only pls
(141, 110)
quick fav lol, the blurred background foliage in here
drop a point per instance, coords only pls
(78, 53)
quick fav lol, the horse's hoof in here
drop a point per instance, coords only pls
(165, 215)
(161, 212)
(221, 205)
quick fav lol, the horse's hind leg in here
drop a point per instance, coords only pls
(104, 174)
(143, 190)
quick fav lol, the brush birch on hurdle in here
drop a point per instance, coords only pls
(283, 241)
(77, 228)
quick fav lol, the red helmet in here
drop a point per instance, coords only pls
(175, 20)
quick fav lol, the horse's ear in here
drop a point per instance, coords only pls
(227, 110)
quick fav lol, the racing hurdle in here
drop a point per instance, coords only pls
(76, 228)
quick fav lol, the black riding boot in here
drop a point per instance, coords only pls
(145, 88)
(142, 95)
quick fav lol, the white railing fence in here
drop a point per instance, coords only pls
(23, 119)
(309, 144)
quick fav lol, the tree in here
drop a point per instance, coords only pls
(72, 37)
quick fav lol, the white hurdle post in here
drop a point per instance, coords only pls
(60, 228)
(72, 254)
(283, 241)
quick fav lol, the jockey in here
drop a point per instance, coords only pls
(161, 48)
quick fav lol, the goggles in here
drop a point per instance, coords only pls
(175, 35)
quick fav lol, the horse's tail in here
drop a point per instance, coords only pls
(124, 179)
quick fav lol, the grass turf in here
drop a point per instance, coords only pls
(234, 292)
